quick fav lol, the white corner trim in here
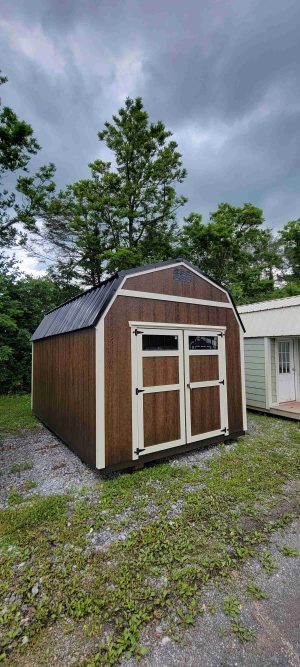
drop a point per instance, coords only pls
(243, 382)
(156, 296)
(100, 395)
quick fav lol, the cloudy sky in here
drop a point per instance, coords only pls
(223, 75)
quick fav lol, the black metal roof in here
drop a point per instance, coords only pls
(85, 309)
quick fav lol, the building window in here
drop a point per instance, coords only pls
(203, 342)
(284, 356)
(159, 342)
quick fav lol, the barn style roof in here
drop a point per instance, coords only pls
(277, 317)
(85, 309)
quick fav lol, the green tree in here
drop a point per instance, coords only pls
(234, 249)
(23, 302)
(117, 218)
(289, 240)
(17, 145)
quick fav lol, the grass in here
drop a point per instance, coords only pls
(20, 467)
(15, 413)
(186, 526)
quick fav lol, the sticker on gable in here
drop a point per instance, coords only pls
(182, 274)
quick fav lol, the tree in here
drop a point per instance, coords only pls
(17, 145)
(289, 240)
(23, 302)
(233, 249)
(117, 218)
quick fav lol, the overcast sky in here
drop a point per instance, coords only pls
(223, 75)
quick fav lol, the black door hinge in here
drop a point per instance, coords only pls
(138, 450)
(137, 332)
(221, 382)
(139, 391)
(221, 334)
(224, 430)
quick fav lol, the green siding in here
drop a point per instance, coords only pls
(255, 372)
(273, 371)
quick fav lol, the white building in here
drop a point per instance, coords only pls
(272, 355)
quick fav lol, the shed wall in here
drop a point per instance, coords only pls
(64, 389)
(118, 405)
(255, 372)
(164, 283)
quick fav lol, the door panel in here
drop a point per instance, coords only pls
(286, 371)
(161, 417)
(160, 371)
(204, 368)
(205, 410)
(205, 384)
(159, 391)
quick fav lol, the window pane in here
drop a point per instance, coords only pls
(159, 342)
(203, 342)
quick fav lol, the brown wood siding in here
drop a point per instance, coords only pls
(64, 389)
(161, 417)
(163, 282)
(205, 410)
(118, 422)
(160, 370)
(204, 368)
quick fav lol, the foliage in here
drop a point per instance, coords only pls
(50, 563)
(17, 146)
(234, 249)
(115, 219)
(23, 302)
(290, 243)
(289, 551)
(15, 413)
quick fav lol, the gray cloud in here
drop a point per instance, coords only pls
(222, 75)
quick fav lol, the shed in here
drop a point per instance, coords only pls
(147, 364)
(272, 356)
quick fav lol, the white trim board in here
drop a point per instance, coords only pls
(169, 297)
(173, 325)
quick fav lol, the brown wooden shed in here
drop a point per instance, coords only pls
(147, 364)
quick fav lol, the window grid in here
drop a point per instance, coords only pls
(284, 357)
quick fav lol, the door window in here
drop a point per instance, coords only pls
(284, 357)
(153, 342)
(203, 342)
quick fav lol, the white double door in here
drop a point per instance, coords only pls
(179, 387)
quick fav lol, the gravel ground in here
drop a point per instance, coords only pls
(54, 468)
(276, 620)
(51, 465)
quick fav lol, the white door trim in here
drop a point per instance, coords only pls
(173, 325)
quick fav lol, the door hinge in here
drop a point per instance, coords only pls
(222, 382)
(137, 332)
(139, 391)
(138, 450)
(221, 334)
(224, 430)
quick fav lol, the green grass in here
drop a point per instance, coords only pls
(20, 467)
(15, 413)
(160, 569)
